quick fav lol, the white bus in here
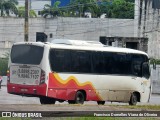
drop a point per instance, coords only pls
(78, 71)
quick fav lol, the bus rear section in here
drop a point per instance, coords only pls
(26, 76)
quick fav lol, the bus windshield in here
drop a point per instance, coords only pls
(27, 54)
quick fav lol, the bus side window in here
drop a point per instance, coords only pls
(137, 61)
(80, 61)
(136, 69)
(145, 70)
(98, 62)
(60, 60)
(108, 63)
(121, 64)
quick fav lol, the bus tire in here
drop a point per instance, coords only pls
(100, 102)
(47, 100)
(79, 98)
(133, 99)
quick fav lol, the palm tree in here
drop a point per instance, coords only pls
(51, 11)
(8, 6)
(21, 12)
(82, 6)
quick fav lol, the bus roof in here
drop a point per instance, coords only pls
(83, 45)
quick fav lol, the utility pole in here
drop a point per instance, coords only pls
(26, 22)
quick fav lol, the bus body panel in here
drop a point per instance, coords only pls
(145, 95)
(97, 87)
(70, 85)
(31, 90)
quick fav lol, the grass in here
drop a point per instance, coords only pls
(111, 118)
(6, 118)
(142, 107)
(83, 118)
(122, 107)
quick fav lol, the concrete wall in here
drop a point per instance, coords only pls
(89, 28)
(12, 29)
(155, 79)
(150, 24)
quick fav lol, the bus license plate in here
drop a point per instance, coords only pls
(24, 90)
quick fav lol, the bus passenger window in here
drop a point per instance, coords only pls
(137, 61)
(145, 70)
(136, 69)
(108, 63)
(98, 62)
(60, 60)
(80, 61)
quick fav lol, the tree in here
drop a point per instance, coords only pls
(131, 1)
(21, 12)
(120, 9)
(82, 6)
(4, 64)
(51, 11)
(8, 6)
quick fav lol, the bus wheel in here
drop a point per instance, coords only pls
(71, 101)
(80, 98)
(47, 100)
(133, 99)
(100, 102)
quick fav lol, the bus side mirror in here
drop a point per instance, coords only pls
(145, 70)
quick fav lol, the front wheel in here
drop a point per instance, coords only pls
(133, 99)
(79, 98)
(47, 100)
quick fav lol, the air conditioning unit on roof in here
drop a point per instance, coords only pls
(76, 42)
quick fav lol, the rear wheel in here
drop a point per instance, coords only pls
(80, 97)
(100, 102)
(47, 100)
(133, 99)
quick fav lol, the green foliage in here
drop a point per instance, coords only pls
(77, 8)
(4, 64)
(82, 6)
(8, 6)
(110, 118)
(120, 9)
(21, 12)
(97, 118)
(51, 11)
(143, 107)
(132, 1)
(18, 118)
(155, 61)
